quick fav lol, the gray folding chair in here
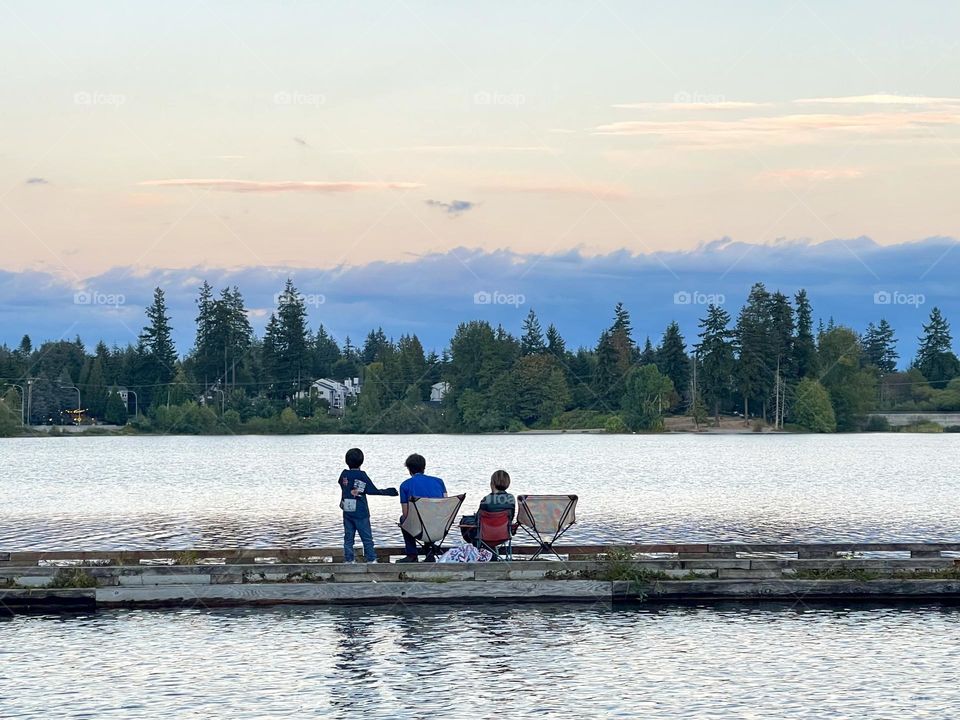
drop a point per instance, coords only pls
(430, 519)
(545, 518)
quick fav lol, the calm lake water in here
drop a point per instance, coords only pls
(484, 661)
(175, 492)
(768, 661)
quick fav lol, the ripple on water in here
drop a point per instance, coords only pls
(168, 492)
(484, 661)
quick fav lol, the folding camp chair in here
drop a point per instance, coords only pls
(429, 520)
(545, 518)
(494, 531)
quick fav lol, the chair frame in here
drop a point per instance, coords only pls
(432, 548)
(534, 532)
(508, 543)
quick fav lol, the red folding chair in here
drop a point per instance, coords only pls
(494, 531)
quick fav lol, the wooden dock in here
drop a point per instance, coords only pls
(73, 580)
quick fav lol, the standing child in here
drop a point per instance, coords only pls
(355, 485)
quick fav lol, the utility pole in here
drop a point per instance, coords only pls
(29, 401)
(776, 407)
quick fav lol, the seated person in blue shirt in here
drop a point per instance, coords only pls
(417, 485)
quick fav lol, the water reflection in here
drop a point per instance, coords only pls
(483, 661)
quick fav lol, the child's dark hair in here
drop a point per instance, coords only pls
(416, 464)
(354, 458)
(500, 479)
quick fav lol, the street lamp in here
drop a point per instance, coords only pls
(223, 400)
(23, 400)
(72, 387)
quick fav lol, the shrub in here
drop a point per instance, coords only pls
(877, 423)
(813, 409)
(615, 424)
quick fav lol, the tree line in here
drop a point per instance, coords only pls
(769, 364)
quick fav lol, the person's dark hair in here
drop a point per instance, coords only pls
(354, 458)
(416, 464)
(500, 479)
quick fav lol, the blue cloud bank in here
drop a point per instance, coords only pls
(855, 281)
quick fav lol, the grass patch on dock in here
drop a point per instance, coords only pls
(72, 578)
(863, 575)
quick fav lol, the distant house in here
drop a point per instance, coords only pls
(337, 394)
(439, 390)
(122, 392)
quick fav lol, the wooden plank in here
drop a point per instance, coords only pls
(251, 555)
(351, 593)
(786, 589)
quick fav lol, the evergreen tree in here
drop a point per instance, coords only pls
(935, 359)
(648, 355)
(157, 339)
(555, 343)
(25, 347)
(115, 412)
(293, 359)
(804, 346)
(672, 359)
(374, 346)
(716, 358)
(531, 342)
(10, 413)
(326, 353)
(754, 369)
(206, 357)
(879, 348)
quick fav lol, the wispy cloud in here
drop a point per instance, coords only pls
(811, 174)
(274, 186)
(782, 129)
(692, 105)
(880, 99)
(455, 149)
(592, 190)
(454, 208)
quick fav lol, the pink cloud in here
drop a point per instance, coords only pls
(781, 129)
(812, 174)
(254, 186)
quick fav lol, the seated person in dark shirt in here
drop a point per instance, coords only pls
(498, 499)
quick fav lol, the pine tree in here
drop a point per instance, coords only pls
(879, 348)
(531, 342)
(326, 353)
(649, 354)
(936, 339)
(556, 345)
(157, 339)
(672, 358)
(716, 358)
(292, 325)
(374, 346)
(754, 369)
(115, 411)
(205, 356)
